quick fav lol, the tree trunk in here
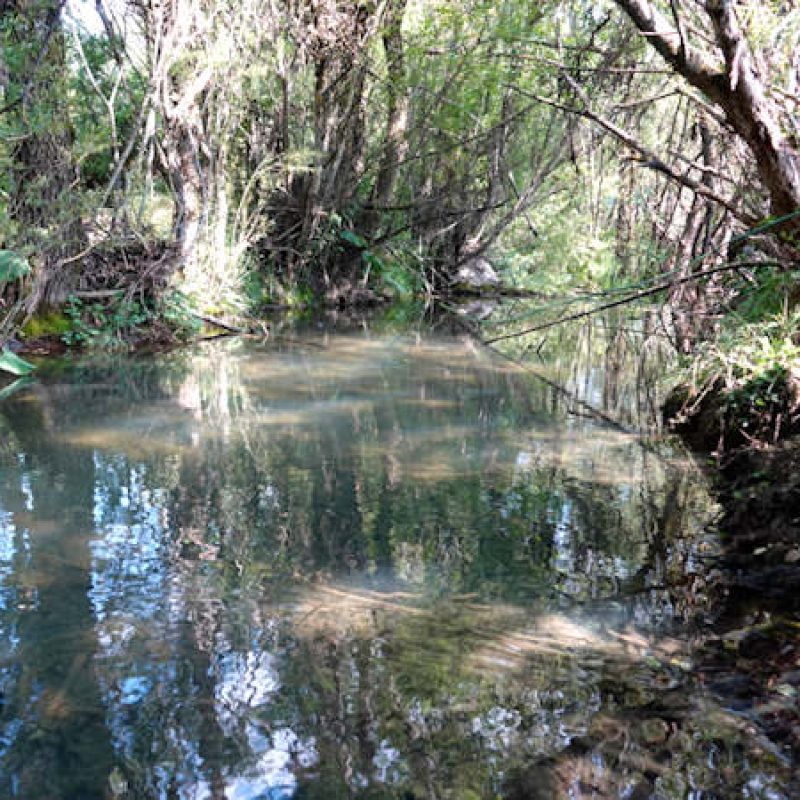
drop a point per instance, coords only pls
(395, 143)
(173, 31)
(188, 181)
(737, 88)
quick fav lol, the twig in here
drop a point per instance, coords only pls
(647, 157)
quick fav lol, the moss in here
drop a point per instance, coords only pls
(46, 324)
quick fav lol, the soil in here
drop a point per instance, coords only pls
(728, 413)
(40, 346)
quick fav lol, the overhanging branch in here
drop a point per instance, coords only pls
(647, 157)
(653, 290)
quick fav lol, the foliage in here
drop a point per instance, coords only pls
(47, 323)
(762, 403)
(13, 364)
(749, 353)
(767, 296)
(557, 260)
(105, 116)
(119, 322)
(750, 377)
(397, 273)
(262, 154)
(402, 276)
(35, 150)
(13, 266)
(177, 310)
(103, 325)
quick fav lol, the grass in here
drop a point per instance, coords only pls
(750, 377)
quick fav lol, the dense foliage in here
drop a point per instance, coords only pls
(242, 154)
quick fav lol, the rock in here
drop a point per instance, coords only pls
(477, 273)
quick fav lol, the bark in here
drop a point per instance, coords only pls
(187, 178)
(333, 44)
(737, 88)
(172, 30)
(395, 145)
(753, 116)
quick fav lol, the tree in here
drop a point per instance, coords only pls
(710, 50)
(40, 167)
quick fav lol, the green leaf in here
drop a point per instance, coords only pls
(372, 261)
(355, 239)
(9, 362)
(12, 266)
(13, 388)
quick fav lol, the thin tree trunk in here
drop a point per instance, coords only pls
(185, 168)
(395, 143)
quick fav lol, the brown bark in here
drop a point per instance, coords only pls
(333, 45)
(736, 87)
(395, 145)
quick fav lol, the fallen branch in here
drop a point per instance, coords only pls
(218, 323)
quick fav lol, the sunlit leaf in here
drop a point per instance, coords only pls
(13, 388)
(354, 239)
(12, 266)
(12, 363)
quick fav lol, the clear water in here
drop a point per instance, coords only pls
(350, 567)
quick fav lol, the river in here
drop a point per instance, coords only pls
(352, 565)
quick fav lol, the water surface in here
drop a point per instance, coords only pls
(351, 567)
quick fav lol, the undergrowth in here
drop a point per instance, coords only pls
(121, 322)
(748, 381)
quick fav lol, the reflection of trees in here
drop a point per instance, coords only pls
(368, 492)
(51, 719)
(615, 363)
(294, 586)
(400, 702)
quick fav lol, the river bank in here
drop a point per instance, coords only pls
(746, 426)
(751, 657)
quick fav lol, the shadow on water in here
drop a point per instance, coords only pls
(351, 566)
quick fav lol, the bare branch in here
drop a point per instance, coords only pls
(647, 157)
(662, 287)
